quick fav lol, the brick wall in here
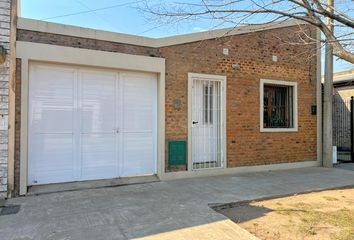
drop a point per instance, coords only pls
(5, 10)
(77, 42)
(246, 145)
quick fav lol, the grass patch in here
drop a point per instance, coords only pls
(328, 198)
(327, 215)
(313, 219)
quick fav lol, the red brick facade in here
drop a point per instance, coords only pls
(246, 145)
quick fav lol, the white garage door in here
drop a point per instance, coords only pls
(90, 124)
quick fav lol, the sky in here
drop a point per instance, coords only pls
(121, 16)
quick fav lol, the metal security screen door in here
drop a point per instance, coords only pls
(207, 118)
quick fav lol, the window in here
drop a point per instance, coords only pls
(208, 104)
(278, 105)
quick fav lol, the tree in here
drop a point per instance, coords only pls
(248, 12)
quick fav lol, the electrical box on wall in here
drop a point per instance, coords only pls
(177, 153)
(177, 104)
(313, 110)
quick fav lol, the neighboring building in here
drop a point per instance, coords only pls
(92, 104)
(343, 90)
(343, 84)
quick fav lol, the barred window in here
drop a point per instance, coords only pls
(208, 104)
(278, 107)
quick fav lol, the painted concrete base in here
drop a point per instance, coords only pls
(237, 170)
(157, 210)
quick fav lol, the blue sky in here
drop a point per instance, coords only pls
(119, 16)
(126, 18)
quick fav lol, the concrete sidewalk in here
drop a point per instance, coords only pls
(345, 166)
(162, 210)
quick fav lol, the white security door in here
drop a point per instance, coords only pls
(207, 144)
(90, 124)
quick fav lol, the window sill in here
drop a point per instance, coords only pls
(278, 130)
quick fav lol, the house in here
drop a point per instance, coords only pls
(91, 104)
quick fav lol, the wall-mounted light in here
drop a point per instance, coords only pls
(2, 54)
(235, 66)
(225, 51)
(275, 58)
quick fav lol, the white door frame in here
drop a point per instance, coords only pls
(37, 52)
(222, 79)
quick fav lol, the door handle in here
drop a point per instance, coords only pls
(194, 122)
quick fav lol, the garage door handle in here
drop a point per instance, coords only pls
(194, 122)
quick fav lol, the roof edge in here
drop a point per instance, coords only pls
(76, 31)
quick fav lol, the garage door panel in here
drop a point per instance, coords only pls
(98, 156)
(138, 154)
(98, 101)
(49, 177)
(139, 99)
(52, 100)
(53, 158)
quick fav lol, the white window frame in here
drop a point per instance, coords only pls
(295, 105)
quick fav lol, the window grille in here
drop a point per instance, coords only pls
(278, 106)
